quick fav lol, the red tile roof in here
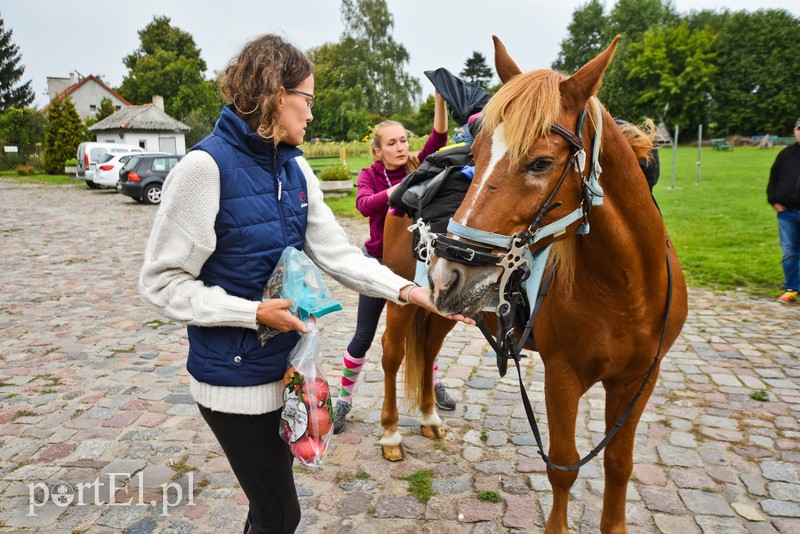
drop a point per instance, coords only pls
(74, 87)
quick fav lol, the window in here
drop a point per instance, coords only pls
(92, 108)
(131, 163)
(159, 165)
(142, 143)
(118, 107)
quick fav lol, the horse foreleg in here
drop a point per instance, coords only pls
(436, 330)
(618, 456)
(562, 393)
(398, 320)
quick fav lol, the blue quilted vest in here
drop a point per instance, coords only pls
(253, 228)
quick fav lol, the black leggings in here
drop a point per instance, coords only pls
(369, 314)
(262, 463)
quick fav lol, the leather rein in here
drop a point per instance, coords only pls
(516, 265)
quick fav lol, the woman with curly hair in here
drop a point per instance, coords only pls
(229, 209)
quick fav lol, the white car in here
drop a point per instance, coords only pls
(89, 153)
(107, 172)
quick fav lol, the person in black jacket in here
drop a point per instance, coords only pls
(783, 193)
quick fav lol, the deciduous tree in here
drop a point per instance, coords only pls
(375, 59)
(671, 72)
(168, 64)
(340, 111)
(756, 89)
(630, 19)
(22, 127)
(587, 35)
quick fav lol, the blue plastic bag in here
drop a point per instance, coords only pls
(297, 278)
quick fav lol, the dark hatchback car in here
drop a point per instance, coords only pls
(143, 176)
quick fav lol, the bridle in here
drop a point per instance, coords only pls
(517, 261)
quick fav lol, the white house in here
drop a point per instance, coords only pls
(147, 126)
(85, 93)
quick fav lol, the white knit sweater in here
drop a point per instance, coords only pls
(182, 239)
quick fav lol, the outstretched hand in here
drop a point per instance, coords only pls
(421, 296)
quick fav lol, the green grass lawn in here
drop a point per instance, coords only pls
(58, 179)
(725, 232)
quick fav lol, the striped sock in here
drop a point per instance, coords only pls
(350, 371)
(436, 372)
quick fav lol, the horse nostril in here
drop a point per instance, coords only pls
(451, 280)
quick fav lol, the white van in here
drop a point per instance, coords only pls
(89, 153)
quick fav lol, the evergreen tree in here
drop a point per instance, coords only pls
(11, 94)
(106, 109)
(477, 71)
(63, 135)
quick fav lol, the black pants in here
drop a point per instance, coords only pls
(262, 463)
(369, 314)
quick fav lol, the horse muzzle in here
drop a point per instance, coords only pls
(460, 288)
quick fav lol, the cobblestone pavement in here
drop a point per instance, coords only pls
(93, 395)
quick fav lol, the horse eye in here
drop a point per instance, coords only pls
(538, 165)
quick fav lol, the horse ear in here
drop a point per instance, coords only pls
(503, 64)
(585, 83)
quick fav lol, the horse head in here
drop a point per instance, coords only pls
(529, 171)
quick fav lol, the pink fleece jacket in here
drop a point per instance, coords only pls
(372, 200)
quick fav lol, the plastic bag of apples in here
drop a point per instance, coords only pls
(307, 416)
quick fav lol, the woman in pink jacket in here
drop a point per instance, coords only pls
(392, 163)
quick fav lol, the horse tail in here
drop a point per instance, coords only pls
(415, 368)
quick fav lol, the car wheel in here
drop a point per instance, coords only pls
(92, 185)
(152, 194)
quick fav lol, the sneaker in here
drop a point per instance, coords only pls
(789, 297)
(443, 400)
(340, 412)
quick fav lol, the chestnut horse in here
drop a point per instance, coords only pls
(414, 335)
(617, 299)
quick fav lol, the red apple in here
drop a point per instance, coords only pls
(315, 393)
(308, 450)
(319, 423)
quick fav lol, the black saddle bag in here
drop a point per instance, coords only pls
(435, 190)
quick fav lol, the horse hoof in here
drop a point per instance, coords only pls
(433, 431)
(394, 453)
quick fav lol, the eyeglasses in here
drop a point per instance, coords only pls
(311, 98)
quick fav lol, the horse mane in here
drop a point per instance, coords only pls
(527, 106)
(642, 138)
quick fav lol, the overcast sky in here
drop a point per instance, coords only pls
(56, 37)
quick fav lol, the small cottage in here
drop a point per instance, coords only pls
(147, 126)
